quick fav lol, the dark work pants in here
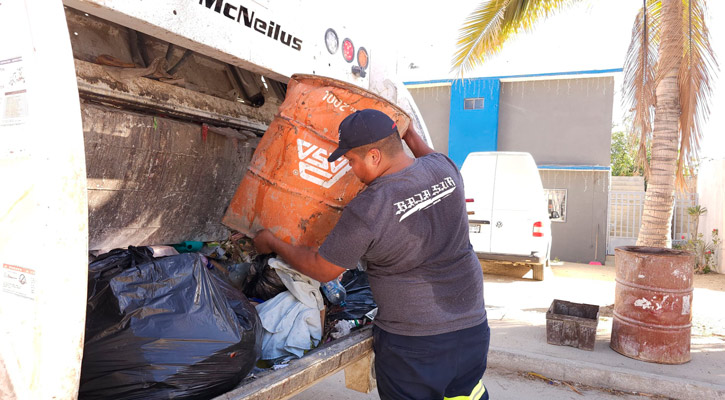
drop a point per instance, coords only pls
(431, 367)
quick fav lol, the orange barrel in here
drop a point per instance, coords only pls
(653, 304)
(290, 188)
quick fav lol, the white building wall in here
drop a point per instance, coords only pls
(711, 191)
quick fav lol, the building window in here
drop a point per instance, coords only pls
(473, 103)
(556, 199)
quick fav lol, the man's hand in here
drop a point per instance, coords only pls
(263, 242)
(303, 259)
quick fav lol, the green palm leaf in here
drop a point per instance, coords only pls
(493, 23)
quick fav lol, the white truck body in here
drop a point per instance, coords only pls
(54, 201)
(274, 39)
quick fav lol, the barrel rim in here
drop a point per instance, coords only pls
(653, 251)
(351, 87)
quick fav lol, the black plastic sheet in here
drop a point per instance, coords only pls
(260, 281)
(359, 298)
(164, 328)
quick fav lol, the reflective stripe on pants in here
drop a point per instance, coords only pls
(476, 394)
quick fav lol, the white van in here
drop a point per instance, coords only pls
(507, 211)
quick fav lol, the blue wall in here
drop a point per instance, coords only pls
(473, 130)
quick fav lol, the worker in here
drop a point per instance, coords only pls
(410, 227)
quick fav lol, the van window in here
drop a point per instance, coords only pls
(556, 200)
(473, 103)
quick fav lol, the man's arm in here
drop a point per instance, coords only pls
(303, 259)
(416, 143)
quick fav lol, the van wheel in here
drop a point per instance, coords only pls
(538, 270)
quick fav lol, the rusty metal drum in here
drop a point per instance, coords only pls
(290, 188)
(653, 304)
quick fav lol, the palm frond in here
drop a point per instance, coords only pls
(696, 70)
(482, 30)
(640, 78)
(489, 26)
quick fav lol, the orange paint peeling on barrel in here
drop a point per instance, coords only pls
(290, 188)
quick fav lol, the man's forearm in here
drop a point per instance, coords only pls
(415, 143)
(306, 261)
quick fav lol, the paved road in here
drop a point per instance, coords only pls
(502, 385)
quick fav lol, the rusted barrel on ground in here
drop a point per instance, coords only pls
(290, 187)
(653, 304)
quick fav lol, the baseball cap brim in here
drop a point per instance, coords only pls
(339, 152)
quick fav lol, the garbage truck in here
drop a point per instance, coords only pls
(131, 123)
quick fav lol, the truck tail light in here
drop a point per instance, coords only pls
(348, 50)
(470, 201)
(537, 229)
(331, 41)
(363, 58)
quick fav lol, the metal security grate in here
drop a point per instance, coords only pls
(625, 218)
(682, 223)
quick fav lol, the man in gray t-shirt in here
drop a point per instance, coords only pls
(410, 226)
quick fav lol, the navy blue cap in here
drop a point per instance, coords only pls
(361, 128)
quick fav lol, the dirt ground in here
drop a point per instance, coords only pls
(595, 284)
(711, 281)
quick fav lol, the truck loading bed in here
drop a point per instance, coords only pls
(353, 353)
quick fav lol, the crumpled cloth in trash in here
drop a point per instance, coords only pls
(304, 288)
(290, 328)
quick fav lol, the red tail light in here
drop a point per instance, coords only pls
(537, 229)
(469, 200)
(348, 50)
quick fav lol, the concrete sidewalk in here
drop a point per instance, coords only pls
(517, 315)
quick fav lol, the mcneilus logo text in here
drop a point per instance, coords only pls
(245, 16)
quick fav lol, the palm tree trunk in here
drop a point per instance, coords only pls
(658, 205)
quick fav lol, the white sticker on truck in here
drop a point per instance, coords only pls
(18, 281)
(13, 92)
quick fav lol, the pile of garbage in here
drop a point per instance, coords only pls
(193, 319)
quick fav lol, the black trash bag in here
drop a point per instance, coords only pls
(167, 328)
(359, 300)
(238, 274)
(115, 261)
(262, 282)
(100, 271)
